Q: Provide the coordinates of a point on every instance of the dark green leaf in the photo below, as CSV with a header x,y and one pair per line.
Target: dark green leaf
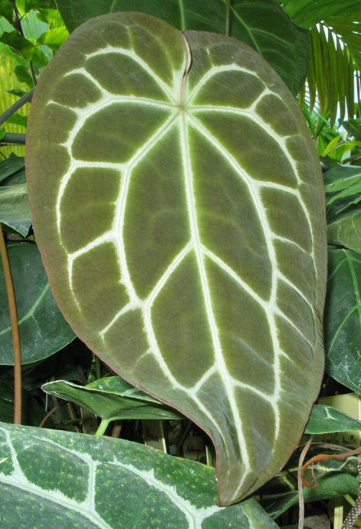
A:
x,y
343,318
6,10
348,28
38,4
23,75
325,419
10,166
16,92
308,13
343,189
17,42
17,119
353,127
49,477
112,404
43,330
345,230
264,26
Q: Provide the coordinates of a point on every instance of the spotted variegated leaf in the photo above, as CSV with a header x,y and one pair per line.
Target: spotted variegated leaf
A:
x,y
178,204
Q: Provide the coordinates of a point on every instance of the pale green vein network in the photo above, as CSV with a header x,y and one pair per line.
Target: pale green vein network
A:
x,y
184,120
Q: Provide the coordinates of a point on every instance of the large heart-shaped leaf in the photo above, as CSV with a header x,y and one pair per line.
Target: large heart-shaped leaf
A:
x,y
177,199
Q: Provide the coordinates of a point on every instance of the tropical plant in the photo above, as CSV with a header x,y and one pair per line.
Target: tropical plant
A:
x,y
173,253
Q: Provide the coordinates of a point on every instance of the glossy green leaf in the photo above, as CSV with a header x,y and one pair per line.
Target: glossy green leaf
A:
x,y
308,13
264,26
334,478
353,127
11,166
342,186
18,43
43,330
343,196
326,419
49,477
54,38
15,209
348,27
177,199
113,404
343,318
345,230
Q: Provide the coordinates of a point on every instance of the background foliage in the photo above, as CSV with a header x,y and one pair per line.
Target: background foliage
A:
x,y
31,31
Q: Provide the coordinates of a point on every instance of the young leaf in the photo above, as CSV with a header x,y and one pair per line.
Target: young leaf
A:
x,y
325,419
178,202
49,477
111,405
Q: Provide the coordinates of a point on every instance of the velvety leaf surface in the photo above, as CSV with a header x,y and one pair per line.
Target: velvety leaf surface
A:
x,y
326,419
263,25
343,318
179,207
42,327
112,405
62,480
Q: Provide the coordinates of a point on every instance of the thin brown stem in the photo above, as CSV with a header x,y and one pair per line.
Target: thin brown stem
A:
x,y
14,328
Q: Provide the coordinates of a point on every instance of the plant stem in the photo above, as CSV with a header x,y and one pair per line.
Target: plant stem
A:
x,y
102,427
26,98
13,137
228,8
301,501
14,328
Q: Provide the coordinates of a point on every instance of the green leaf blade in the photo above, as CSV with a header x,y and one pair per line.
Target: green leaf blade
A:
x,y
326,419
263,26
79,480
342,333
43,330
201,249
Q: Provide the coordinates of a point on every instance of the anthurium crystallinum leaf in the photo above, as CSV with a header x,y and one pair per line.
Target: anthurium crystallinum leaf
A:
x,y
178,205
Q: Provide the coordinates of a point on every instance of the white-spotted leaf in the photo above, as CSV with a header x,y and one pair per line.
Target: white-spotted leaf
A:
x,y
65,480
178,204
